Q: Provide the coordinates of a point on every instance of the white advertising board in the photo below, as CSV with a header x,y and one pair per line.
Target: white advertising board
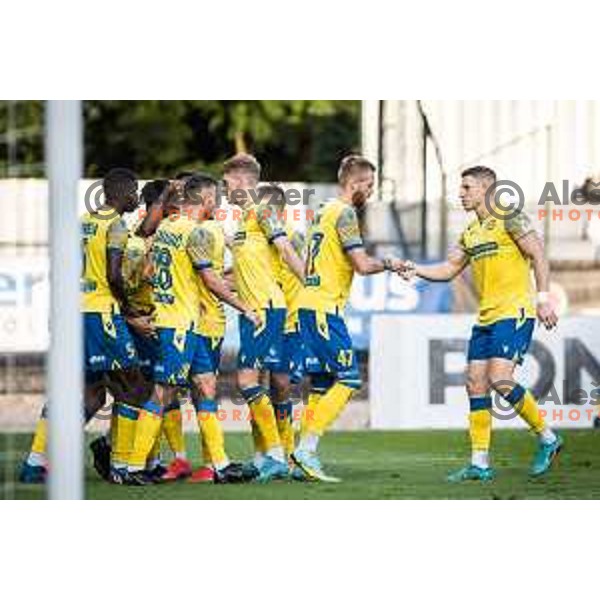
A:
x,y
24,288
417,364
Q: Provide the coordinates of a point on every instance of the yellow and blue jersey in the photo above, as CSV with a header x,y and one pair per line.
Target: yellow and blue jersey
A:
x,y
253,265
176,254
136,275
212,321
101,232
108,345
501,273
328,279
290,285
329,273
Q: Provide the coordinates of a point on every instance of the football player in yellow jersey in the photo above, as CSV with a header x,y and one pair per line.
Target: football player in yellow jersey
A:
x,y
172,424
334,253
255,281
501,248
179,259
138,289
110,356
209,332
289,368
162,202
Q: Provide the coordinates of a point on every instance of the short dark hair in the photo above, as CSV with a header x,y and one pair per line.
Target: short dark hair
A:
x,y
479,172
243,162
197,182
152,190
183,175
352,164
119,182
275,192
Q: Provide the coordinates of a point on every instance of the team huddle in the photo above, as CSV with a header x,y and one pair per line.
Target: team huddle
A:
x,y
153,298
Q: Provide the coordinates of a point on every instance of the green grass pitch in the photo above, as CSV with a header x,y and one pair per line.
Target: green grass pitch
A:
x,y
373,465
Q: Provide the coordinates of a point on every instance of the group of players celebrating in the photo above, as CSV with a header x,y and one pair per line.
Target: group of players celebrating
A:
x,y
153,300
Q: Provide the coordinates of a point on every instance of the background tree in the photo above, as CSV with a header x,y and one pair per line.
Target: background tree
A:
x,y
296,140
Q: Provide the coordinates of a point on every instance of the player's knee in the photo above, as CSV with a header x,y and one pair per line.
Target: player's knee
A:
x,y
476,384
501,379
280,387
94,399
247,379
205,387
130,387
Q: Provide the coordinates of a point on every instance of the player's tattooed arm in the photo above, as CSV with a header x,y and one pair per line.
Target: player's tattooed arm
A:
x,y
519,225
115,250
520,228
457,260
290,256
531,245
273,226
348,230
299,243
200,248
229,278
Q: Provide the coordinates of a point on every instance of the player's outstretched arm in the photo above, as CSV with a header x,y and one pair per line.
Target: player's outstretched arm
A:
x,y
455,263
363,264
350,237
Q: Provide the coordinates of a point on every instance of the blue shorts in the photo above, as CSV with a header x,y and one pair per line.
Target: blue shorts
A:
x,y
108,344
175,352
262,348
207,354
292,357
148,349
329,347
507,338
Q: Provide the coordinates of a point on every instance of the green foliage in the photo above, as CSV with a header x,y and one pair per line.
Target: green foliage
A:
x,y
296,140
21,138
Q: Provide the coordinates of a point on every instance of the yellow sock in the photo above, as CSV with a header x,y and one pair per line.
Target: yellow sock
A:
x,y
173,429
263,415
213,440
285,427
154,456
308,414
147,431
123,426
529,412
206,460
329,407
259,443
40,437
480,423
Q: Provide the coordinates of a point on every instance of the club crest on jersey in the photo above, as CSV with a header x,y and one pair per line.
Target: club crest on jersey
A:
x,y
239,238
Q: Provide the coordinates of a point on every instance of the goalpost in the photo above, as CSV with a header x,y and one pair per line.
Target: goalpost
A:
x,y
64,150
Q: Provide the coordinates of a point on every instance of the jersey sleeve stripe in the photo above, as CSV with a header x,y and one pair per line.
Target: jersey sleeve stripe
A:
x,y
352,246
276,235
